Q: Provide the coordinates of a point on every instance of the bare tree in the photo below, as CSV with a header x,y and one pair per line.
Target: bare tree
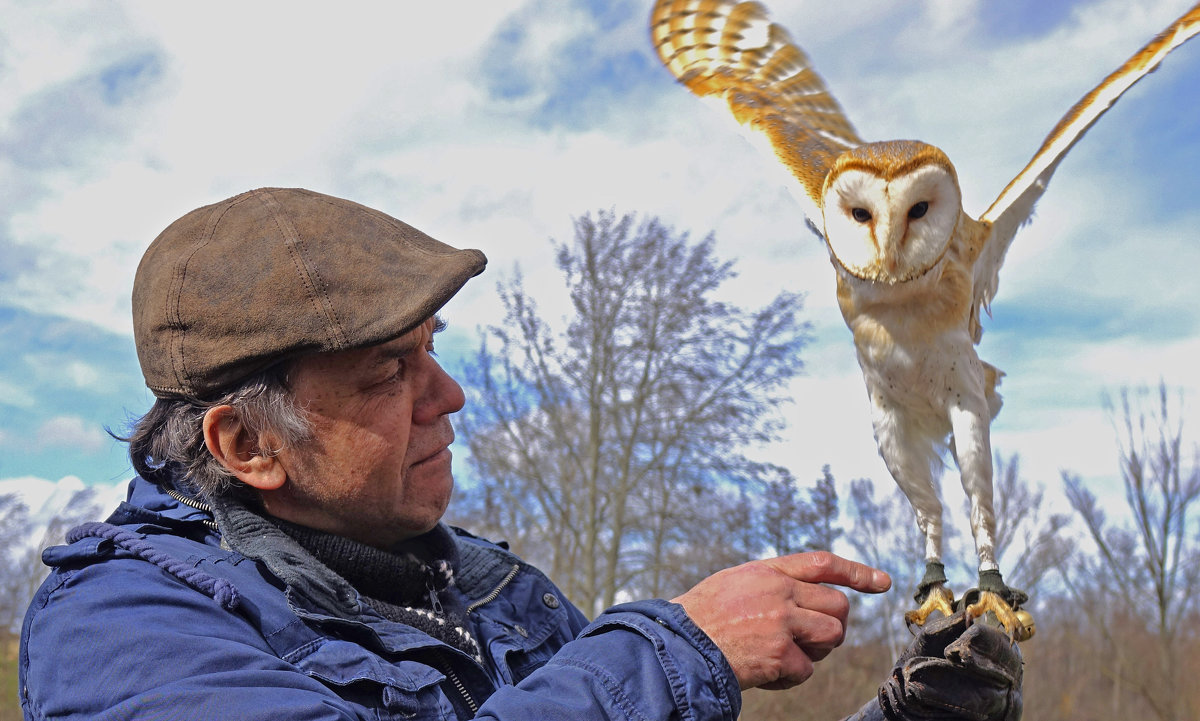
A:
x,y
785,514
823,513
885,535
707,528
591,435
15,528
23,568
1030,543
1147,571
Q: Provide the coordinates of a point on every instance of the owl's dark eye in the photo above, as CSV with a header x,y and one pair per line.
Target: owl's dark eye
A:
x,y
862,215
918,210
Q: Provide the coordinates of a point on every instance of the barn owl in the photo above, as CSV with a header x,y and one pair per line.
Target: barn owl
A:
x,y
914,271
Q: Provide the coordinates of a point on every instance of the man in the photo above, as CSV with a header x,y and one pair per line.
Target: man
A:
x,y
280,555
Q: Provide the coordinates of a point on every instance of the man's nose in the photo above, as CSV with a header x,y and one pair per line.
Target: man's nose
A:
x,y
443,396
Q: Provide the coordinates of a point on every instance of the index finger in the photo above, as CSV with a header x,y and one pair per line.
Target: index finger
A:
x,y
826,567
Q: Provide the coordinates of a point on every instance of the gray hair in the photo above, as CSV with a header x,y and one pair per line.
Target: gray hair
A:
x,y
166,446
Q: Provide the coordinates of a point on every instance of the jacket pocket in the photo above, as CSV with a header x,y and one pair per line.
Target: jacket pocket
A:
x,y
421,704
392,689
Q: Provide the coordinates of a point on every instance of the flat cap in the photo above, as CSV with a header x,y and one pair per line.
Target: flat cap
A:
x,y
232,288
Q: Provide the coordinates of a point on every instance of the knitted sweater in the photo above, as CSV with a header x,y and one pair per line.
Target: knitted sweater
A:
x,y
408,583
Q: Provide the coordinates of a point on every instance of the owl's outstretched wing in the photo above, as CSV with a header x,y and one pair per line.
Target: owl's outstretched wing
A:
x,y
1015,205
731,51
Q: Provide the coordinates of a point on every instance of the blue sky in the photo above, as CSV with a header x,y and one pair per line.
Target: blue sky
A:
x,y
492,123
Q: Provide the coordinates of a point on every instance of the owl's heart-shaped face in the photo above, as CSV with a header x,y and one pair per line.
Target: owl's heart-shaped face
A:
x,y
891,212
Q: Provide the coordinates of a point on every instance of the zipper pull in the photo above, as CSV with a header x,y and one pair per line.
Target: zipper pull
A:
x,y
434,602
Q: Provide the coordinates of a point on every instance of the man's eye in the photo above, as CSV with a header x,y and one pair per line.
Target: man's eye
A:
x,y
396,374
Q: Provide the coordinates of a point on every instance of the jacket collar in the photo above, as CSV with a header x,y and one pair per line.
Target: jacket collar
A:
x,y
312,588
147,503
310,584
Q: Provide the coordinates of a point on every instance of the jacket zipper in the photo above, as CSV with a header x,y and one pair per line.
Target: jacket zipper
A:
x,y
461,687
512,573
193,503
445,667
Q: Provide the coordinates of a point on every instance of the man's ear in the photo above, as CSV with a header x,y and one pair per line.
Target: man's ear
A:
x,y
228,439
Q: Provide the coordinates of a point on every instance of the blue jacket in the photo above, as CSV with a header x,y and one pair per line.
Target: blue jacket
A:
x,y
152,615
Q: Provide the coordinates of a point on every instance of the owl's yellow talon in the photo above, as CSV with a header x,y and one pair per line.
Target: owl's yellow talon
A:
x,y
939,599
1018,628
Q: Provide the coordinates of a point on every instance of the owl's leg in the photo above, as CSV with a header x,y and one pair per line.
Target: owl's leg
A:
x,y
972,447
970,420
911,461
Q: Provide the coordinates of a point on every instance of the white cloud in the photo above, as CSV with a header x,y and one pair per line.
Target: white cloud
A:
x,y
57,370
80,374
39,493
70,432
46,498
14,396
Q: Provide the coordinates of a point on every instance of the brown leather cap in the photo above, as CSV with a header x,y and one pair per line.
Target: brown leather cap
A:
x,y
232,288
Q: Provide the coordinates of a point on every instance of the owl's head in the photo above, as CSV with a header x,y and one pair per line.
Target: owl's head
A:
x,y
890,209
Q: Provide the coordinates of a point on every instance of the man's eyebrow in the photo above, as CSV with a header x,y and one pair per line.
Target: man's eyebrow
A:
x,y
395,349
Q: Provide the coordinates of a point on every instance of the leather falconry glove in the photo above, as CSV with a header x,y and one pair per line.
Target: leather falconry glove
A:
x,y
952,671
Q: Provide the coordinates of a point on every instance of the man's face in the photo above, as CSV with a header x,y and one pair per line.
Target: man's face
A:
x,y
377,468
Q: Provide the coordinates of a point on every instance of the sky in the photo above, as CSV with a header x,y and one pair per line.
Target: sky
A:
x,y
492,123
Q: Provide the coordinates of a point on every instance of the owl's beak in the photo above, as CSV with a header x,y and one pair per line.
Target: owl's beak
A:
x,y
889,251
891,260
